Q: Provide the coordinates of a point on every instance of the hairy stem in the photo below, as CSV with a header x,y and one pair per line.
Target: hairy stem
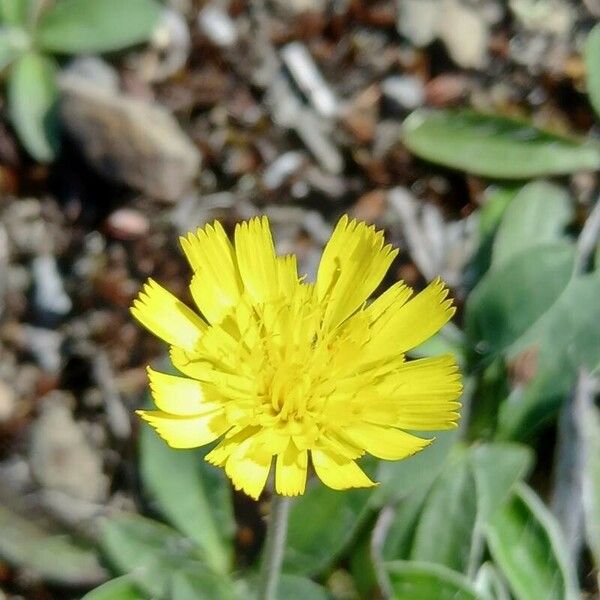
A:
x,y
274,547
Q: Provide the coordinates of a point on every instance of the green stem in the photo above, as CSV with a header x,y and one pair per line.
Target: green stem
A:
x,y
274,547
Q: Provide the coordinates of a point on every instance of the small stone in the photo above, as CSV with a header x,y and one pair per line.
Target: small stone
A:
x,y
128,140
307,76
361,115
93,69
553,17
168,49
8,401
282,168
465,34
446,89
217,26
44,344
371,206
27,231
127,224
61,457
405,90
49,298
418,20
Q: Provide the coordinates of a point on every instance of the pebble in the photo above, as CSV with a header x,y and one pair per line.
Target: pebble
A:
x,y
93,69
462,26
127,224
283,168
465,34
168,50
8,401
60,456
49,298
217,26
418,20
405,90
128,140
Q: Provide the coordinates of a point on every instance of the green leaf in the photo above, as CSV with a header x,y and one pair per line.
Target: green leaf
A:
x,y
32,98
445,531
426,581
508,300
489,583
55,558
362,568
525,543
79,26
574,319
587,419
121,588
497,199
14,12
400,535
193,495
529,408
592,67
398,479
321,524
293,587
14,41
497,468
148,551
539,214
201,585
494,146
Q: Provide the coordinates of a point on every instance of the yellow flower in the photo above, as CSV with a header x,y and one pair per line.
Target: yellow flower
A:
x,y
286,370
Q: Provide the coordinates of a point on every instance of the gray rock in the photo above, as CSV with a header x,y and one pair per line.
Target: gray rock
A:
x,y
128,140
418,20
93,69
49,293
217,26
44,344
26,229
167,51
465,33
309,79
282,168
406,90
554,17
8,401
462,26
61,457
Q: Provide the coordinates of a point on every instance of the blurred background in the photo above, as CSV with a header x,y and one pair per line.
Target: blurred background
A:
x,y
466,129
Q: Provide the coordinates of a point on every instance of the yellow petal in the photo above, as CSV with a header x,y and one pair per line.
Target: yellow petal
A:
x,y
337,472
167,317
186,432
386,442
383,308
290,472
180,395
413,322
235,437
216,285
352,266
287,274
425,392
336,441
256,258
248,470
190,364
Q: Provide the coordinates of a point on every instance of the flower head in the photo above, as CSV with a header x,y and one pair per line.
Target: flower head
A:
x,y
287,371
